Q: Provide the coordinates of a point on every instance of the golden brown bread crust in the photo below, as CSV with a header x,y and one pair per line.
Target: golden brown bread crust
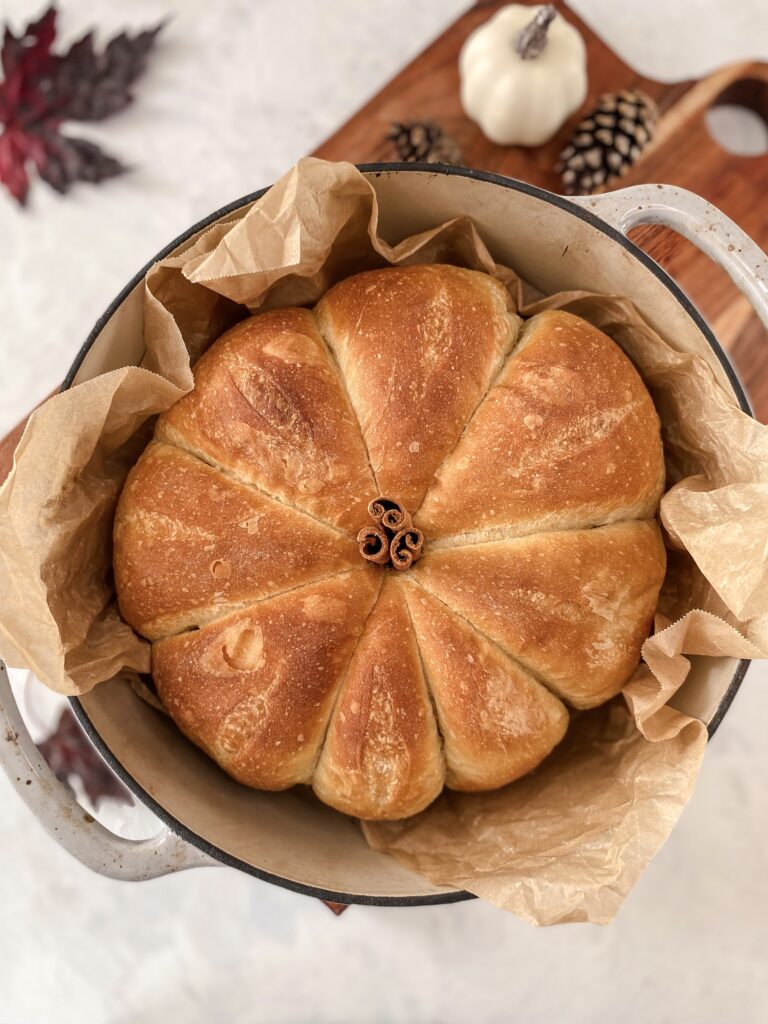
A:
x,y
232,543
418,347
269,406
496,721
568,437
573,608
382,757
241,518
255,689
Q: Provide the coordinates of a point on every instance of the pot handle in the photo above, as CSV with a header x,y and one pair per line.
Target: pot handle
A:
x,y
695,219
56,809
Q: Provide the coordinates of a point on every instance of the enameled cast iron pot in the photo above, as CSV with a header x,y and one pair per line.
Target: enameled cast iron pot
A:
x,y
554,243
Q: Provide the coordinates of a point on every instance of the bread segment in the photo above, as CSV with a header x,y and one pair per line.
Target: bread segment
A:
x,y
496,720
268,405
418,347
255,689
574,608
568,437
382,757
191,542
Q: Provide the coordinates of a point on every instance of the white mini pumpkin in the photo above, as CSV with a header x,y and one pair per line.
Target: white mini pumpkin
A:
x,y
523,99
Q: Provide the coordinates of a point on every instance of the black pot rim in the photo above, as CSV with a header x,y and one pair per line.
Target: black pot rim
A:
x,y
377,169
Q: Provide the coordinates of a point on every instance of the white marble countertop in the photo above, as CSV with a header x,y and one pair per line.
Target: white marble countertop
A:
x,y
238,91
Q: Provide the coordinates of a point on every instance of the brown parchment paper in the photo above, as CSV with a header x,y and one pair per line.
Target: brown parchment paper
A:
x,y
565,843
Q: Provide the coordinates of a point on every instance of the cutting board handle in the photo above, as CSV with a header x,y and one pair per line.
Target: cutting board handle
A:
x,y
695,219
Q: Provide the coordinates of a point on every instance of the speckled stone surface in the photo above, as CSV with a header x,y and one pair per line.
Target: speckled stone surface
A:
x,y
238,91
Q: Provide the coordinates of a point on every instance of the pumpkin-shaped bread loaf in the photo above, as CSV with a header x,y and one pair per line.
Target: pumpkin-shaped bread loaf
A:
x,y
382,544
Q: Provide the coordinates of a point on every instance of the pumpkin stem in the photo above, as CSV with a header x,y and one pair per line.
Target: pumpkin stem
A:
x,y
533,38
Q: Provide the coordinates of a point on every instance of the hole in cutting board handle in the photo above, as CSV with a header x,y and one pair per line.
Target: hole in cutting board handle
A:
x,y
738,118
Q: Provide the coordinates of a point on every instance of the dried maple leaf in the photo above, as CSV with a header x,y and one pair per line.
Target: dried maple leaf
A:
x,y
40,90
69,753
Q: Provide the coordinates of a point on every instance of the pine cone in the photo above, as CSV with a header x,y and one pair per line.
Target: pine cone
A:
x,y
424,142
608,141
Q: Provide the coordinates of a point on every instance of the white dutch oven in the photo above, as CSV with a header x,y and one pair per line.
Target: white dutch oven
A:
x,y
554,243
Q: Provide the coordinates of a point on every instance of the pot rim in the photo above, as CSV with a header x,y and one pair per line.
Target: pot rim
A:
x,y
377,169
